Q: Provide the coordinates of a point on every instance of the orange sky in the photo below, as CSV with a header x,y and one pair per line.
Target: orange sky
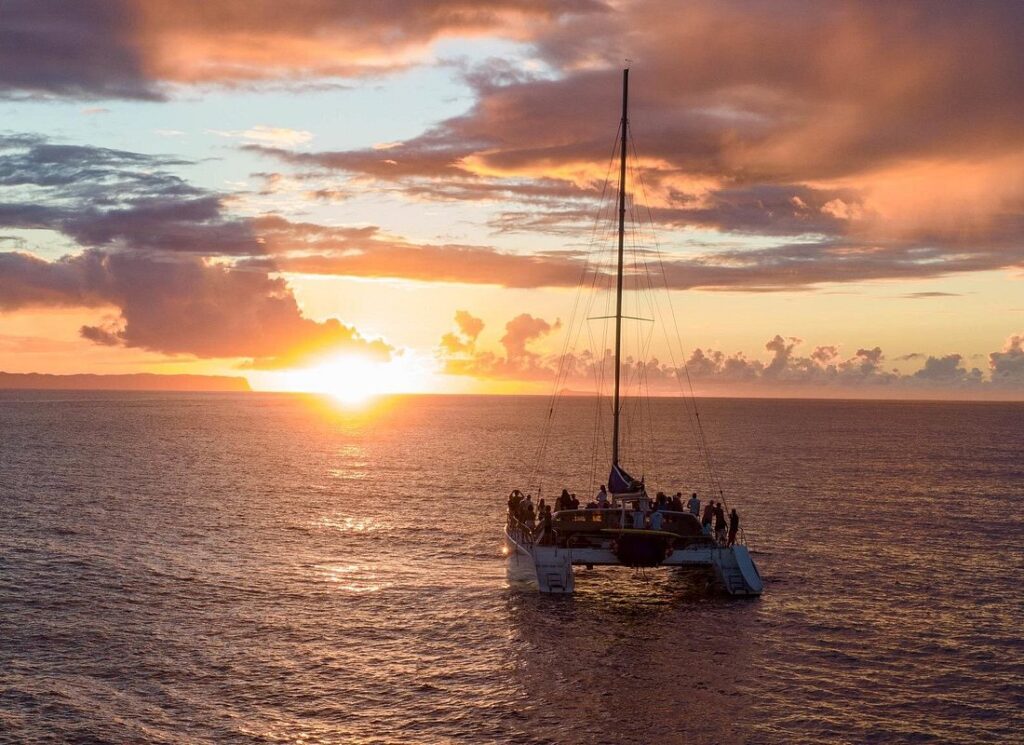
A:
x,y
344,196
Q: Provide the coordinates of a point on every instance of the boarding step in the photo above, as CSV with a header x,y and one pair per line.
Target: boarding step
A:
x,y
554,569
736,571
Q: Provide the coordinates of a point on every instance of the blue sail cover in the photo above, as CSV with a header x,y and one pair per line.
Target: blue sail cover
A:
x,y
620,482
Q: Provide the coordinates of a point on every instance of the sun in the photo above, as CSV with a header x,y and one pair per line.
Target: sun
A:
x,y
354,379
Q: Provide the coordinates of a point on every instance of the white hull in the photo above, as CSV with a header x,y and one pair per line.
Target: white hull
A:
x,y
552,565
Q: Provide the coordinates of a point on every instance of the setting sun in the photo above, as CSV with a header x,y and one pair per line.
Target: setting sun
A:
x,y
353,379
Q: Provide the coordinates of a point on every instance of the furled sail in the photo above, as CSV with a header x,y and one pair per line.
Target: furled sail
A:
x,y
620,482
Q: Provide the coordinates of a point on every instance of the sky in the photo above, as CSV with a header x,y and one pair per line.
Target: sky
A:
x,y
402,196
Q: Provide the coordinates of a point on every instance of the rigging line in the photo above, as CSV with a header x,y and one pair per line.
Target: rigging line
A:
x,y
700,427
647,399
698,435
598,373
597,419
643,404
646,294
636,372
636,378
542,449
600,369
587,262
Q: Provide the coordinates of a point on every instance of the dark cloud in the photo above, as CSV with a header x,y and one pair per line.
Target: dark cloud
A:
x,y
101,198
134,48
82,49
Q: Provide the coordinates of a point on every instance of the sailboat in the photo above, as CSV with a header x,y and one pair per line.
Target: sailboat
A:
x,y
626,526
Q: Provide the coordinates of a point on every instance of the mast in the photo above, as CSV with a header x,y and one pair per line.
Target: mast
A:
x,y
618,289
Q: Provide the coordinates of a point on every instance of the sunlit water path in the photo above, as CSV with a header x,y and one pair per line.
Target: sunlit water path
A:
x,y
265,569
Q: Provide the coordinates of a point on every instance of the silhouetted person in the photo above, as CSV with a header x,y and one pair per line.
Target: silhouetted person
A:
x,y
513,502
574,503
547,532
720,522
677,503
734,525
656,520
709,514
525,507
602,496
693,505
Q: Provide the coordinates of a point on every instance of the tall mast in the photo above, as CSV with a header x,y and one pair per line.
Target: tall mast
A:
x,y
618,289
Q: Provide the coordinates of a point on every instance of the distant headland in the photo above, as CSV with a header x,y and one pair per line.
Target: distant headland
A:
x,y
127,382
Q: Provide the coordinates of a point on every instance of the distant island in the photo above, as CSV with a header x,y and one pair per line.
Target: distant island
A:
x,y
128,382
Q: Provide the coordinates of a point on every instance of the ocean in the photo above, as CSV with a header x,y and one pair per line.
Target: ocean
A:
x,y
261,568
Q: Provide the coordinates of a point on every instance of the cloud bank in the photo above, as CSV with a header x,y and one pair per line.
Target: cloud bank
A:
x,y
822,370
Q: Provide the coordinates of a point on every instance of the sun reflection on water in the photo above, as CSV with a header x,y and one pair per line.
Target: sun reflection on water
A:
x,y
350,524
351,577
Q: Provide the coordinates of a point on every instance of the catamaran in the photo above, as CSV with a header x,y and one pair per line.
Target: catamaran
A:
x,y
625,526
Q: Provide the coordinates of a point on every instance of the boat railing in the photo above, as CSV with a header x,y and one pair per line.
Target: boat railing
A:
x,y
519,531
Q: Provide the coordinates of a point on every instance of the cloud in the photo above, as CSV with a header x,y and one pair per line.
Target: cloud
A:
x,y
947,371
180,305
461,357
135,48
522,330
273,136
82,49
463,341
928,295
1007,366
365,251
159,250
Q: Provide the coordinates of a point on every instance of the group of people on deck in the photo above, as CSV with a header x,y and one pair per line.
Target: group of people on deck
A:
x,y
715,512
522,509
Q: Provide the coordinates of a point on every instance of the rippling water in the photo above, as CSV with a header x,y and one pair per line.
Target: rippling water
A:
x,y
269,568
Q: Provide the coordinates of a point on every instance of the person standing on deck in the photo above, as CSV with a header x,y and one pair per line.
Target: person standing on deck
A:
x,y
525,507
513,502
656,520
638,517
720,523
709,514
734,526
693,505
547,532
602,497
